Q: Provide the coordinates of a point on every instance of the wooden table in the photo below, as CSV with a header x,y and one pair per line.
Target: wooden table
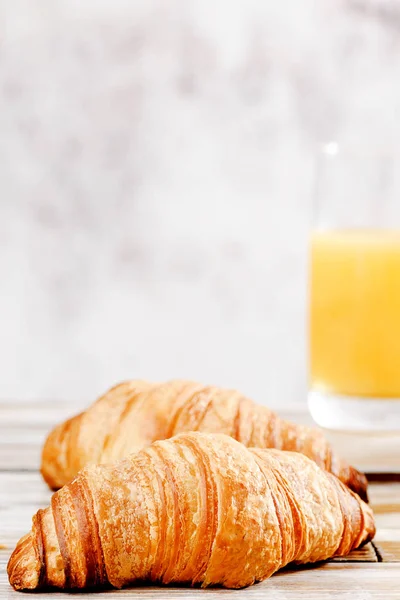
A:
x,y
373,572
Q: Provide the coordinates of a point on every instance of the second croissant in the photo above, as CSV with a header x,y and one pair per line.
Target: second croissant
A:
x,y
136,413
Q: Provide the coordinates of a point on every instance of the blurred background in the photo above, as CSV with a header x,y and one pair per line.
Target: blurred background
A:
x,y
156,183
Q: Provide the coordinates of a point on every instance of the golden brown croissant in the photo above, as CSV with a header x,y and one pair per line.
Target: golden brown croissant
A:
x,y
134,414
196,509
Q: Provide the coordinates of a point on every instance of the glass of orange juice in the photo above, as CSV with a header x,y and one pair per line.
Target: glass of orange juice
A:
x,y
354,316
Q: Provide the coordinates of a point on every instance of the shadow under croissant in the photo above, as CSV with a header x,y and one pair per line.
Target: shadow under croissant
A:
x,y
290,569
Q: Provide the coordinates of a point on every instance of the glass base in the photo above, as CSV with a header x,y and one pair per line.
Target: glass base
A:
x,y
348,413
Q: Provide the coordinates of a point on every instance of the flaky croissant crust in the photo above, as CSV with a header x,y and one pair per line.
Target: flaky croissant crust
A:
x,y
196,509
134,414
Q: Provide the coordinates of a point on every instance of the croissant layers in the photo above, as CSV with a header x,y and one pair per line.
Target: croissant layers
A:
x,y
134,414
195,509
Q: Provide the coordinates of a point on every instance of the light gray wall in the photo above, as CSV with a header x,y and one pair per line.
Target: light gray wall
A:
x,y
156,166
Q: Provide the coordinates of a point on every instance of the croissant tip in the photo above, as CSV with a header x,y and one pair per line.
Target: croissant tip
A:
x,y
358,483
23,567
369,524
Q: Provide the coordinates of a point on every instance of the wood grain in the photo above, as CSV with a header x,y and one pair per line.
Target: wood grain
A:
x,y
365,574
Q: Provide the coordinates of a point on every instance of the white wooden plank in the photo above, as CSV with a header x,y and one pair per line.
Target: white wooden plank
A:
x,y
20,455
23,430
24,427
349,581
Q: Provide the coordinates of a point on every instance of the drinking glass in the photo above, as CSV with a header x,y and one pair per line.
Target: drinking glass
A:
x,y
354,315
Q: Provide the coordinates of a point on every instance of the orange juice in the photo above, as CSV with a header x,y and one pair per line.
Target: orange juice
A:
x,y
355,313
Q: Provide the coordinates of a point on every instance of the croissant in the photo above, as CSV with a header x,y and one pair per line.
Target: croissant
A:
x,y
134,414
195,509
